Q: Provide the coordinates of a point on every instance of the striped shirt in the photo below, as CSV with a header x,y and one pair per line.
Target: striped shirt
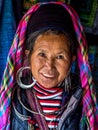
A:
x,y
50,102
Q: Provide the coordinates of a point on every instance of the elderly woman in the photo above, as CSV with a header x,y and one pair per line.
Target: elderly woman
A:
x,y
38,89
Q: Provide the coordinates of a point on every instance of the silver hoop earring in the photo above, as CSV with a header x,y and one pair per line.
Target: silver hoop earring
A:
x,y
67,83
18,78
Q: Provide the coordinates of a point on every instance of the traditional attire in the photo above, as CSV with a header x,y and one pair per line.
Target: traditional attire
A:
x,y
85,119
47,109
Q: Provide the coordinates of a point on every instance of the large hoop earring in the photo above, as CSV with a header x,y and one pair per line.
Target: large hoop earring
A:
x,y
18,78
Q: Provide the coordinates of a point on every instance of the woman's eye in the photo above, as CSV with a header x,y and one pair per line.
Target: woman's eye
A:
x,y
42,54
60,57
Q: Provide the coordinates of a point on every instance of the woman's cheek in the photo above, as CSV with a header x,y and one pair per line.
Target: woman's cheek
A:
x,y
36,63
63,68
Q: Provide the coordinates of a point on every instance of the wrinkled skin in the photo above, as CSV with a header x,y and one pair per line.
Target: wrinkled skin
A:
x,y
50,59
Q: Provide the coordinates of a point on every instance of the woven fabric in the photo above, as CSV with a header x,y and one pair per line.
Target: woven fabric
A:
x,y
1,3
15,61
7,31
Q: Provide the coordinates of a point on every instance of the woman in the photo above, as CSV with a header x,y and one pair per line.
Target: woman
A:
x,y
38,90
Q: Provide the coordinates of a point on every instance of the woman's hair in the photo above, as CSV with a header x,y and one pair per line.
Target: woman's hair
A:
x,y
32,38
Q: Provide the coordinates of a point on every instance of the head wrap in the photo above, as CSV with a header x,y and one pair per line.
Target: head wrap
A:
x,y
15,61
50,17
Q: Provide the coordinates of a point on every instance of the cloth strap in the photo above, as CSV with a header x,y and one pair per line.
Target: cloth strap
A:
x,y
35,106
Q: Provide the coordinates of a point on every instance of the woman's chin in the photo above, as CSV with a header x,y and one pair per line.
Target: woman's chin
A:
x,y
47,84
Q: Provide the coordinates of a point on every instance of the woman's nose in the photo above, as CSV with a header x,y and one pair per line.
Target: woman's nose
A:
x,y
50,63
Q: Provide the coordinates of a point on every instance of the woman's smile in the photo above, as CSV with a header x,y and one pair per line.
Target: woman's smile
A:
x,y
48,75
47,78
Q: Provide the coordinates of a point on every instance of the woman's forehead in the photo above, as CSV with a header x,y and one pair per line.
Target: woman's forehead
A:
x,y
52,42
49,39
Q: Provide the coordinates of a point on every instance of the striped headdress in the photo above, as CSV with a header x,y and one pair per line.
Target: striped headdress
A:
x,y
15,61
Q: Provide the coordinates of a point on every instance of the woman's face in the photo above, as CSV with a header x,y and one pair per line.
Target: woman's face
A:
x,y
50,59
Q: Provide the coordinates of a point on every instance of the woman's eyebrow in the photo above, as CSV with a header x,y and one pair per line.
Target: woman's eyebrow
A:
x,y
64,51
43,50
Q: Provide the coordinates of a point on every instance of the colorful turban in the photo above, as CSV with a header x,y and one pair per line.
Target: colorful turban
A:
x,y
15,61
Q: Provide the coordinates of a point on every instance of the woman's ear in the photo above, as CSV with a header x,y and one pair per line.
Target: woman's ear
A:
x,y
27,52
26,58
73,58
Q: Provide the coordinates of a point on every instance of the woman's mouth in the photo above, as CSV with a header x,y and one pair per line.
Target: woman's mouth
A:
x,y
48,75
